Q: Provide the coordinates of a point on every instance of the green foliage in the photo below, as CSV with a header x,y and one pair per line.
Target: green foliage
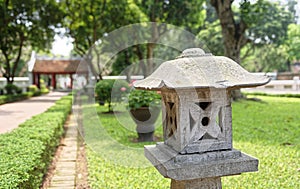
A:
x,y
266,58
268,130
12,89
189,14
267,22
257,31
270,57
103,173
33,88
113,125
123,61
87,21
211,36
16,96
110,91
273,95
12,98
27,151
22,24
293,42
43,87
143,98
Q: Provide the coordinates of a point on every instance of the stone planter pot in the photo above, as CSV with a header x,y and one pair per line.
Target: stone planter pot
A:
x,y
145,119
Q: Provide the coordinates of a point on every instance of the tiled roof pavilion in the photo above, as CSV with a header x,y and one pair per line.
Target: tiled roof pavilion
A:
x,y
57,66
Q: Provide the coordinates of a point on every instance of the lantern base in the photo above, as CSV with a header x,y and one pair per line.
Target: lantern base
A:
x,y
206,183
181,167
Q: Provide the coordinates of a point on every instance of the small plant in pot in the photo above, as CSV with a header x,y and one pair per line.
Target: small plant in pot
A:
x,y
144,108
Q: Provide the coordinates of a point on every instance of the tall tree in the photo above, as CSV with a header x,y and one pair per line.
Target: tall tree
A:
x,y
87,21
260,23
25,23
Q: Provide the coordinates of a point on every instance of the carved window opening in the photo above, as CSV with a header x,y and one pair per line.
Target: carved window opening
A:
x,y
171,118
206,136
203,105
205,121
219,120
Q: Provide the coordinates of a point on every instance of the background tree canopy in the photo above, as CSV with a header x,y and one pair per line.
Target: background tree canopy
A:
x,y
25,24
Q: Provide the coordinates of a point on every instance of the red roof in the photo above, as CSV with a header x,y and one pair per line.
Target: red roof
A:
x,y
57,66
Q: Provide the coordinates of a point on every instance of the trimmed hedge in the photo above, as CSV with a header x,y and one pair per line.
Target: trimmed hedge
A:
x,y
26,152
17,97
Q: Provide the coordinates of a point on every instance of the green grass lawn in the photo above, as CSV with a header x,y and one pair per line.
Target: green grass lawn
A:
x,y
268,130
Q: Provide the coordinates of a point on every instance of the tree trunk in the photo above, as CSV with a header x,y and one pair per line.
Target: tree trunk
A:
x,y
150,48
233,33
139,54
127,63
150,55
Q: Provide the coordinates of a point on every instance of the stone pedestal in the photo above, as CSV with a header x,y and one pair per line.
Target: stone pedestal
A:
x,y
192,170
205,183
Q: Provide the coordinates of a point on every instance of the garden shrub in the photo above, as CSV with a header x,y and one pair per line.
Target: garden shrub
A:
x,y
15,97
43,88
110,90
33,90
27,151
12,89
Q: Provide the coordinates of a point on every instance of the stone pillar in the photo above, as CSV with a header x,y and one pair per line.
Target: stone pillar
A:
x,y
34,78
205,183
71,78
38,81
53,81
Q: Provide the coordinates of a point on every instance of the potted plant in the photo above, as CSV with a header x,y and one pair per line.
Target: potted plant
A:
x,y
144,109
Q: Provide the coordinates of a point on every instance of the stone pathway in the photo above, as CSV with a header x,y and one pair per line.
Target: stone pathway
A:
x,y
13,114
65,170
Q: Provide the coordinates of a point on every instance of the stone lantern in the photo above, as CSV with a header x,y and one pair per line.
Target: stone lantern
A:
x,y
197,119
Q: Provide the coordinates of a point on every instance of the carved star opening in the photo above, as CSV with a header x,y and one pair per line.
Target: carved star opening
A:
x,y
203,120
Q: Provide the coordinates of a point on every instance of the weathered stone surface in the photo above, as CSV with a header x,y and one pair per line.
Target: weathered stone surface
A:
x,y
206,183
197,119
209,164
200,71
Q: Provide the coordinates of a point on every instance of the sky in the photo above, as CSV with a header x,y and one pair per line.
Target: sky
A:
x,y
63,45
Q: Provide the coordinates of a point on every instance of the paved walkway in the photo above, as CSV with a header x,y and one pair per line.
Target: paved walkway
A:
x,y
65,170
13,114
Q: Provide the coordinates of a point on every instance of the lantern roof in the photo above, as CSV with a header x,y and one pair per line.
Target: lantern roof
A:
x,y
196,69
